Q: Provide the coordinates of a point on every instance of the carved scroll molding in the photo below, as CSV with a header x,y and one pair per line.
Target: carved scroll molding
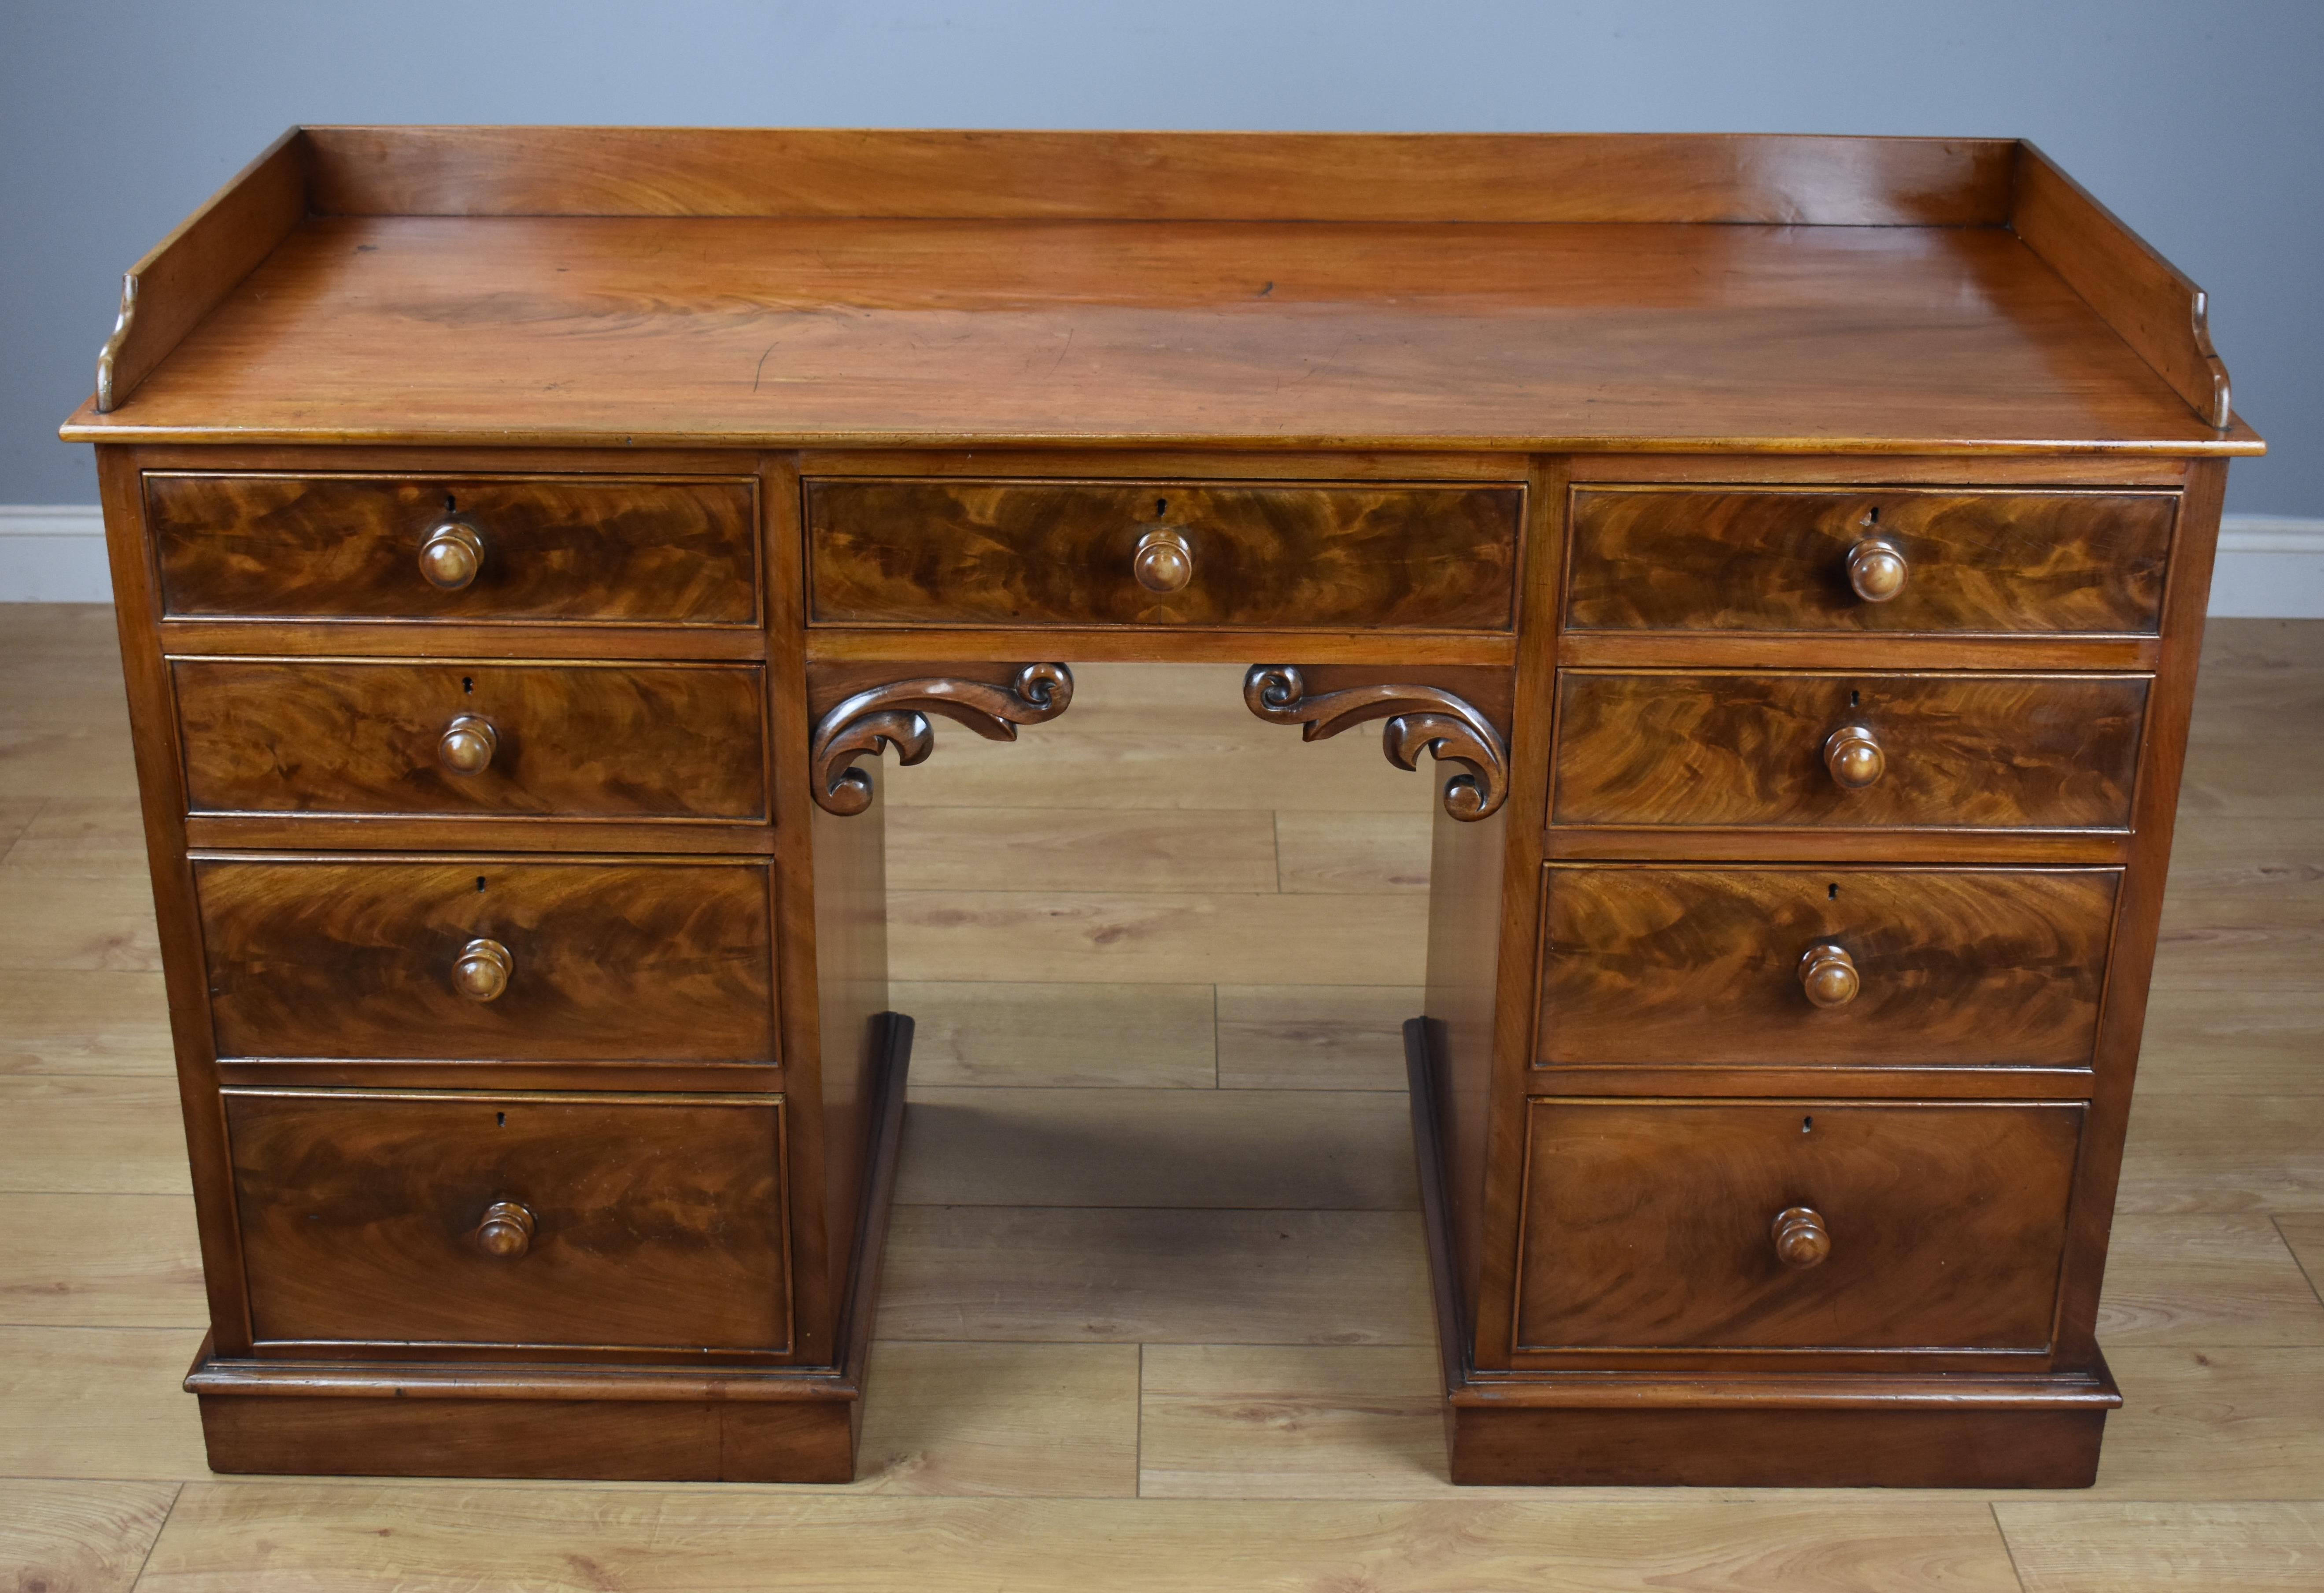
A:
x,y
109,355
896,715
1420,718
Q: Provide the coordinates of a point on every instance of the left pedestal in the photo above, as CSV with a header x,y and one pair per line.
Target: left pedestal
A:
x,y
611,1423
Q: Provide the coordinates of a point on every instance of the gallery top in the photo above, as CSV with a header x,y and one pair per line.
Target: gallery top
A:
x,y
611,287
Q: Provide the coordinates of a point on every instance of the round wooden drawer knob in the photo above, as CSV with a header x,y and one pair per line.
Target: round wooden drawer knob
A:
x,y
1828,974
483,971
506,1230
1164,562
1802,1240
1876,570
1853,754
452,555
467,744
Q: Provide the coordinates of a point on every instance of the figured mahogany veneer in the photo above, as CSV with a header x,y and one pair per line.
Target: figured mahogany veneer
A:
x,y
528,544
594,741
1650,1225
1956,750
648,1222
607,961
1714,559
1948,967
347,547
1030,553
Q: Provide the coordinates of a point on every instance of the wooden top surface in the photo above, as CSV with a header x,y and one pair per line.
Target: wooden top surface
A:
x,y
412,298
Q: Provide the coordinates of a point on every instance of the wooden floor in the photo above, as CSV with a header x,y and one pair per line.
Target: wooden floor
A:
x,y
1155,1313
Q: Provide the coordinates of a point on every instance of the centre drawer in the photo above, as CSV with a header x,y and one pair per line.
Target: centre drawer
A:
x,y
560,1222
1708,749
1801,1225
1647,964
961,552
489,958
570,740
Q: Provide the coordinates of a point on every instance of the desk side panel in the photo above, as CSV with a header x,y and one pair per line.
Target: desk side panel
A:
x,y
1464,931
1483,912
161,788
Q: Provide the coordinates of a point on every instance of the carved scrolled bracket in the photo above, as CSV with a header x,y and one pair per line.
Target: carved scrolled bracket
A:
x,y
1420,718
896,715
109,355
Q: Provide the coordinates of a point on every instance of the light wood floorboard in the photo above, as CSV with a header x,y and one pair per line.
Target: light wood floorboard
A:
x,y
99,1401
16,814
969,1032
77,1537
1168,937
2232,1153
2215,1423
2096,1546
2206,1278
1275,1421
1353,853
279,1536
2216,1042
2253,749
91,1133
1313,1036
2304,1232
1079,850
1311,1149
1112,1275
100,1260
1056,1421
2262,929
52,924
77,758
102,838
84,1021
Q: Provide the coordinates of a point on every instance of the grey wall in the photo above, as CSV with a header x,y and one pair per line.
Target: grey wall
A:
x,y
2203,125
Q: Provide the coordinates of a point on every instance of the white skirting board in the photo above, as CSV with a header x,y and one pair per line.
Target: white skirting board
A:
x,y
2270,565
53,555
2271,568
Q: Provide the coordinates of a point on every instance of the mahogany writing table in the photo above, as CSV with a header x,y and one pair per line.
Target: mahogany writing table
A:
x,y
1788,557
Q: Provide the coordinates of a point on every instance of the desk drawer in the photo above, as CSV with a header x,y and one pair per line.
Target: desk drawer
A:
x,y
1953,751
577,548
1107,553
560,1222
1809,560
651,962
1661,1225
1853,967
594,741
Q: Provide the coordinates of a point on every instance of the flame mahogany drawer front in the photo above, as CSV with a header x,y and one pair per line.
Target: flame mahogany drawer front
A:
x,y
1845,967
489,958
1839,750
1888,561
475,1219
1792,1225
606,549
597,740
1163,553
